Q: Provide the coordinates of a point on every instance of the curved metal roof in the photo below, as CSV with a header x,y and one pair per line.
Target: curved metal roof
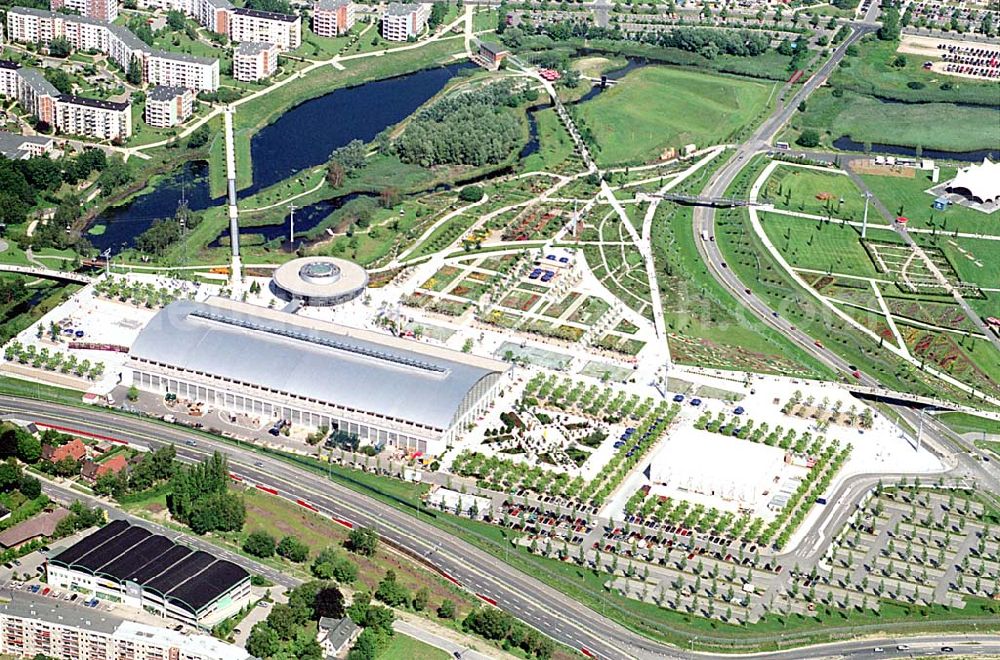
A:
x,y
358,369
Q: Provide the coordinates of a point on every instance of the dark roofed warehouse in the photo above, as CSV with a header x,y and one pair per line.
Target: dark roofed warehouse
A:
x,y
129,564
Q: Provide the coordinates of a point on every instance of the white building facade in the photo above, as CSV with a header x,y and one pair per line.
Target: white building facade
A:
x,y
402,21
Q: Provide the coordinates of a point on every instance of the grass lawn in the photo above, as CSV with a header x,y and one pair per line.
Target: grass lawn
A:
x,y
819,245
555,146
908,197
799,189
976,261
872,72
930,125
657,107
407,648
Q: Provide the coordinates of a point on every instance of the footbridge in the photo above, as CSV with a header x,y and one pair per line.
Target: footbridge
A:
x,y
926,402
47,273
700,200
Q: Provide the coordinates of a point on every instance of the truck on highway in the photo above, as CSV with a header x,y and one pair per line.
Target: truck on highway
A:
x,y
704,235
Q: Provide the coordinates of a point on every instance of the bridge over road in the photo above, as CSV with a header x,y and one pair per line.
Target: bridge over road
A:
x,y
47,273
700,200
913,400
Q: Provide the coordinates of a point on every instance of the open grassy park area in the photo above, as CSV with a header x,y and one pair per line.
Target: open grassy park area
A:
x,y
819,244
829,194
930,125
908,196
657,107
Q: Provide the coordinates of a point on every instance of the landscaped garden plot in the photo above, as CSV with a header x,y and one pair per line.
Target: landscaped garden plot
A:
x,y
939,314
908,197
520,300
468,289
498,264
818,244
829,194
590,311
871,319
626,327
845,290
440,280
972,361
557,309
656,107
427,330
619,344
911,273
621,271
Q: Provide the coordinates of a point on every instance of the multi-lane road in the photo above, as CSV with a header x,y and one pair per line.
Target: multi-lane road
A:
x,y
524,596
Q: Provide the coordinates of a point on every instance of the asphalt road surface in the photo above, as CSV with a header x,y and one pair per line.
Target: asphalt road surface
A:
x,y
543,607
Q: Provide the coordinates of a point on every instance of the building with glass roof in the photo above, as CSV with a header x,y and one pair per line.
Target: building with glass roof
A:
x,y
273,365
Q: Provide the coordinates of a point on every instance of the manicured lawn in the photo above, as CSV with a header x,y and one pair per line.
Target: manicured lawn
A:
x,y
555,146
818,193
657,107
976,261
908,197
407,648
818,244
930,125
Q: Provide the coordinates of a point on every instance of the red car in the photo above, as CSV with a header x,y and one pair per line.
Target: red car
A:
x,y
856,374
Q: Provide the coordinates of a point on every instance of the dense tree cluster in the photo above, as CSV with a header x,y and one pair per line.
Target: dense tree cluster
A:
x,y
280,6
200,497
155,469
706,42
285,633
471,128
80,517
23,182
332,564
363,541
496,624
377,623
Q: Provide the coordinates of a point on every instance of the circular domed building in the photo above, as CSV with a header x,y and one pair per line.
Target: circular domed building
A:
x,y
319,281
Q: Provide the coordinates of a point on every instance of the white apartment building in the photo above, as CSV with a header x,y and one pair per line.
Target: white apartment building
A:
x,y
9,78
331,18
284,30
99,10
169,106
33,625
402,21
104,120
254,60
180,70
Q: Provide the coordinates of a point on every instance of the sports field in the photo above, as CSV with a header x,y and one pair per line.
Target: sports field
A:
x,y
657,107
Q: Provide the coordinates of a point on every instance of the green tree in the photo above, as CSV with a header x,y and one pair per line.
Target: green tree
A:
x,y
363,541
808,138
391,592
293,549
329,603
446,610
259,544
134,74
30,487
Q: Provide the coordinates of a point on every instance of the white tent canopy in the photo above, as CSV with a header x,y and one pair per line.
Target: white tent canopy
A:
x,y
980,183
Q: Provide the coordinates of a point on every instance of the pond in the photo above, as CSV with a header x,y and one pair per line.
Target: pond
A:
x,y
301,138
847,144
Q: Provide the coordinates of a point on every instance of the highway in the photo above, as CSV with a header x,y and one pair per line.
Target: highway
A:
x,y
526,597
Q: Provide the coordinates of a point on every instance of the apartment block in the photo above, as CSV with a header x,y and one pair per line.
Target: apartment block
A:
x,y
169,106
32,625
99,10
104,120
402,21
180,70
284,30
254,60
331,18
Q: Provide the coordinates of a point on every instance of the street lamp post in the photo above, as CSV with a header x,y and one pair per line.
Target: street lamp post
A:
x,y
864,222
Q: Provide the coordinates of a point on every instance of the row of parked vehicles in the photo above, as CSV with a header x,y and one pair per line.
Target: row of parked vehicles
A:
x,y
545,523
69,596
